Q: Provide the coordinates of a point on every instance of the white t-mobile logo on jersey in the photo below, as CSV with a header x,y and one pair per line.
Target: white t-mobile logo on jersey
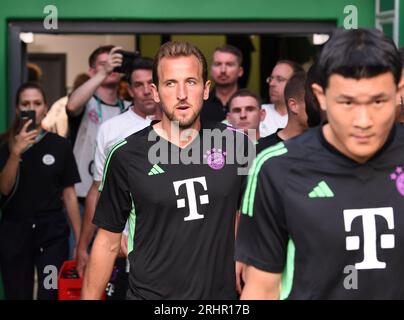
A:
x,y
191,196
370,260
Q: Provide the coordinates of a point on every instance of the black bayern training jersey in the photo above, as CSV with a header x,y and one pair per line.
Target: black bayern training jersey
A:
x,y
181,216
333,227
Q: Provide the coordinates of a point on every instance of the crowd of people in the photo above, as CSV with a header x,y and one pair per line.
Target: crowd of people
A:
x,y
197,189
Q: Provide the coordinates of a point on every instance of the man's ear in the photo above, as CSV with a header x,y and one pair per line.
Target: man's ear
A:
x,y
156,96
293,106
400,91
91,72
263,114
320,95
129,89
228,117
240,72
206,90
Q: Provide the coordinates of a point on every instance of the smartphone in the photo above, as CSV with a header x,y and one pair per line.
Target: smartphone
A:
x,y
28,115
127,62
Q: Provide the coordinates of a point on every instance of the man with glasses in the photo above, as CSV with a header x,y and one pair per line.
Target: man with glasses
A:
x,y
276,112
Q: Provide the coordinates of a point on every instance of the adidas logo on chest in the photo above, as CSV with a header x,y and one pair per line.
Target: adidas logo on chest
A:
x,y
156,169
322,190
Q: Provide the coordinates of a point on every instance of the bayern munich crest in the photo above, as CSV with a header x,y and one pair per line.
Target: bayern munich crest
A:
x,y
215,158
398,177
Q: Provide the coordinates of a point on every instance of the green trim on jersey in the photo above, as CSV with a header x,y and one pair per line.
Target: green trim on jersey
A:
x,y
132,226
115,147
248,201
288,272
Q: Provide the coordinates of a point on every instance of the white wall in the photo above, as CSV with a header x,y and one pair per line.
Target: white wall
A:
x,y
77,49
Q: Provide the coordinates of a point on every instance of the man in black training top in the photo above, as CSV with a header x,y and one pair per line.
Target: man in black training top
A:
x,y
322,213
181,213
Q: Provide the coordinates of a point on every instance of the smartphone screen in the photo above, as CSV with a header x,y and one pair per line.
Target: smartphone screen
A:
x,y
28,115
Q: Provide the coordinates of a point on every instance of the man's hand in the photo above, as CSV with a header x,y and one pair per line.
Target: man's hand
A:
x,y
82,260
114,60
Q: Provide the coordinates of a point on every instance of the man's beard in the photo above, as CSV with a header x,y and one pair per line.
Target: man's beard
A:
x,y
182,123
225,85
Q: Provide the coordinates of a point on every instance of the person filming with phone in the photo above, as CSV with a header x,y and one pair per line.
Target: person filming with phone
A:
x,y
37,176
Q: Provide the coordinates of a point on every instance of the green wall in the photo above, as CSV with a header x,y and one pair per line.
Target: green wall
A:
x,y
173,10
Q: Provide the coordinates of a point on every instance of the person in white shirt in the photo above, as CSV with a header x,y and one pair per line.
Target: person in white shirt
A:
x,y
276,112
90,105
139,116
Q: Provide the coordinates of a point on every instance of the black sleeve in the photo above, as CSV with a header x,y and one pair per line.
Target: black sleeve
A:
x,y
74,122
262,236
115,202
4,154
70,173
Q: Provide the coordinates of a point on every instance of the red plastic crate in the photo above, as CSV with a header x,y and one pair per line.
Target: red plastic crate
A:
x,y
70,289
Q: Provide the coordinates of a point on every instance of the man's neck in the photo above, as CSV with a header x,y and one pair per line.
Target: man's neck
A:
x,y
223,93
281,108
108,95
251,135
138,112
292,129
176,135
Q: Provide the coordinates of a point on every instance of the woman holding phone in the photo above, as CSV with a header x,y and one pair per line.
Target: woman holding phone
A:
x,y
37,176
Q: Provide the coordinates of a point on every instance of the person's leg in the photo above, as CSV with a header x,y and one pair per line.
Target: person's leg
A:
x,y
17,260
53,250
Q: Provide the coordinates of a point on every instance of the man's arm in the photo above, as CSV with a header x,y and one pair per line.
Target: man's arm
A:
x,y
88,228
260,285
98,272
79,97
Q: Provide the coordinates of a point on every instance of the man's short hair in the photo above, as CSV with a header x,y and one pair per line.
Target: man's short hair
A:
x,y
295,87
294,65
357,54
245,93
231,49
174,49
141,63
94,55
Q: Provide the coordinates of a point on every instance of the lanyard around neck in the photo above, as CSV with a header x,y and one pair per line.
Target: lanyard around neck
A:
x,y
99,109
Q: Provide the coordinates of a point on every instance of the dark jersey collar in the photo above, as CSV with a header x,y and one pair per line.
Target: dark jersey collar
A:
x,y
336,152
